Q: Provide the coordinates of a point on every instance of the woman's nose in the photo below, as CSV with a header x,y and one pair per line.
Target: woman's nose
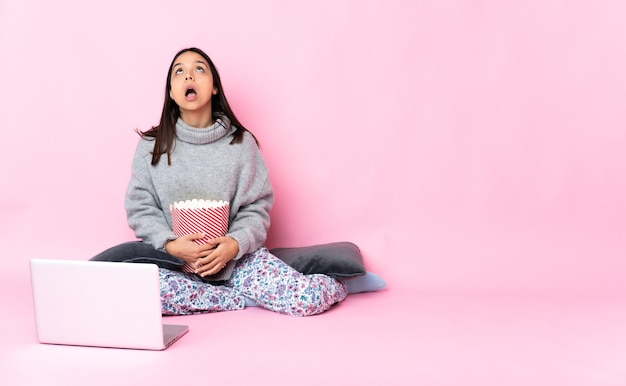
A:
x,y
188,77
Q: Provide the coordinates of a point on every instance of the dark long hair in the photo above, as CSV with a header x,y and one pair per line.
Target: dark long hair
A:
x,y
165,132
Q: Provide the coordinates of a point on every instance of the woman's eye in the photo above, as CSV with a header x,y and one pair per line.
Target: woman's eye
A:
x,y
200,69
178,71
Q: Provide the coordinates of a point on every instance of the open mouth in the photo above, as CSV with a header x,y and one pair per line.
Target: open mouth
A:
x,y
190,91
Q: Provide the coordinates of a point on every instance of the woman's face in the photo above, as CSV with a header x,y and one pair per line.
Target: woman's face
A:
x,y
191,84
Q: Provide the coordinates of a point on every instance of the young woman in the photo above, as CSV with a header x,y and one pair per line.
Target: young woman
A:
x,y
200,150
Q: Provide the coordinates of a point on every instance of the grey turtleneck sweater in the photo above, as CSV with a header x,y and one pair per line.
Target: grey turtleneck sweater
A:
x,y
204,165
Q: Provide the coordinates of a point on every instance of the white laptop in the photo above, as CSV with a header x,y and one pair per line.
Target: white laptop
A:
x,y
103,304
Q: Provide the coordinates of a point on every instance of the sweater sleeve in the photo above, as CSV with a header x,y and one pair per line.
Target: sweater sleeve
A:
x,y
250,221
144,212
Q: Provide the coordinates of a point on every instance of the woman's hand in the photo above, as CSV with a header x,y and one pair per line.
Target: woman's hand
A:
x,y
185,248
222,250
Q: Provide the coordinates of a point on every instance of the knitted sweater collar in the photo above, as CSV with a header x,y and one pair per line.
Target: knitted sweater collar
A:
x,y
200,136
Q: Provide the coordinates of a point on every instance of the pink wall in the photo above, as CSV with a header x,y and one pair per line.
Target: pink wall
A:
x,y
464,145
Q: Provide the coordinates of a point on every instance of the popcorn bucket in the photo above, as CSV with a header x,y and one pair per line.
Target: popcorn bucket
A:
x,y
200,216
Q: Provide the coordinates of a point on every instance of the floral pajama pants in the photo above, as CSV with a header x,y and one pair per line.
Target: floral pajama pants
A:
x,y
260,276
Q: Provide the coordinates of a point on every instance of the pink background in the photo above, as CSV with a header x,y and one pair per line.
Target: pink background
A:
x,y
473,149
461,144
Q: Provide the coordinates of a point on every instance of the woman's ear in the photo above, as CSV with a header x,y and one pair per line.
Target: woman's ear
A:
x,y
215,91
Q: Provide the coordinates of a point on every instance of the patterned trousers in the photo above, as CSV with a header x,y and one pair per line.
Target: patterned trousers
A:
x,y
260,276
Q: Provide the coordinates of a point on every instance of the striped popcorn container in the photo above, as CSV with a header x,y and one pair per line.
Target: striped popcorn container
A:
x,y
200,216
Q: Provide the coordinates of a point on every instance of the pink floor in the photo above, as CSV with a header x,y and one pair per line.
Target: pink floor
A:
x,y
393,337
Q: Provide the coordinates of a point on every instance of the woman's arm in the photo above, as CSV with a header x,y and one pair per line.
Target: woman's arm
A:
x,y
250,224
253,200
144,213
